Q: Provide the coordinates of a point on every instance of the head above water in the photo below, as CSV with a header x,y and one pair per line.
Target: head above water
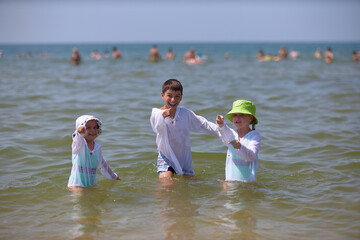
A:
x,y
172,84
244,107
82,120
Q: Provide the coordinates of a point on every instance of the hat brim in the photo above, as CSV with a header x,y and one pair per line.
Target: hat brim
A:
x,y
229,115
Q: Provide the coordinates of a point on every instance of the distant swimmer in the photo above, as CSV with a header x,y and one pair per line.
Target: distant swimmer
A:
x,y
282,53
44,54
189,55
191,58
318,53
116,54
329,56
356,56
75,57
268,58
170,55
260,56
201,56
294,54
226,56
96,55
154,54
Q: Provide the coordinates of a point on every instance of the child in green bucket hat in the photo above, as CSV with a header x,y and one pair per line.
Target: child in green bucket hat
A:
x,y
243,143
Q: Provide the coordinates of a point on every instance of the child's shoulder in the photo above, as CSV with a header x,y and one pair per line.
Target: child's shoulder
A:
x,y
184,110
254,134
97,146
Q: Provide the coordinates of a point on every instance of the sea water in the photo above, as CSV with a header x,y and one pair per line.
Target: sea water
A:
x,y
308,111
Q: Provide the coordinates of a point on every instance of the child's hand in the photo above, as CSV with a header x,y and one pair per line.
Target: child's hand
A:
x,y
169,112
220,120
81,129
166,113
236,144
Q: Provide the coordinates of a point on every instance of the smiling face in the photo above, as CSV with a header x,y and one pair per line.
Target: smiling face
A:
x,y
92,131
241,120
171,98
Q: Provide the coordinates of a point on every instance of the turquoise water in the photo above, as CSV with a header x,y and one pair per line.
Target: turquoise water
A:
x,y
308,177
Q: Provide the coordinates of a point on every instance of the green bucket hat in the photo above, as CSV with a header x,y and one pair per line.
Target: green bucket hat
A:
x,y
242,106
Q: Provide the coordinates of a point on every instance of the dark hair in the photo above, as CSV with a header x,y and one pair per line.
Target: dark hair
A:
x,y
172,84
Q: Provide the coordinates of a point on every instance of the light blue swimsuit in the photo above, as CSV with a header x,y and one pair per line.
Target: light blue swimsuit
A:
x,y
85,164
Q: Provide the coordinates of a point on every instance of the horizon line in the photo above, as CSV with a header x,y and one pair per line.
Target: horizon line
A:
x,y
181,42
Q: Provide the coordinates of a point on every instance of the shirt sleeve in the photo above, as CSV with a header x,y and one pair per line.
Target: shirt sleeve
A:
x,y
200,124
226,134
78,142
249,151
105,169
157,120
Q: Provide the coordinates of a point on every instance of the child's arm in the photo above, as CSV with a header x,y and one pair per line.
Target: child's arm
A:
x,y
106,170
201,124
158,119
225,133
78,139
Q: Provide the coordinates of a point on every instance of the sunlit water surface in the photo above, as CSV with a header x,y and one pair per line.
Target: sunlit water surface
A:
x,y
308,178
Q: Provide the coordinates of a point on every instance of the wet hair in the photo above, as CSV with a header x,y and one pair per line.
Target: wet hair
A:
x,y
172,84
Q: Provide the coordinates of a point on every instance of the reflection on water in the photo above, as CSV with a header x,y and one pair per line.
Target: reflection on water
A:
x,y
229,214
86,214
178,211
239,216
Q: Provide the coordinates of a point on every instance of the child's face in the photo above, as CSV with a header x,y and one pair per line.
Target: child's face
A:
x,y
92,130
171,98
241,120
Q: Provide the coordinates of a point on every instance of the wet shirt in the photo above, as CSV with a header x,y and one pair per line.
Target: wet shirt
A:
x,y
241,164
173,136
85,164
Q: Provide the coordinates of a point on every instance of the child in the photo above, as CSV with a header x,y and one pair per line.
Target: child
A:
x,y
86,154
243,144
172,125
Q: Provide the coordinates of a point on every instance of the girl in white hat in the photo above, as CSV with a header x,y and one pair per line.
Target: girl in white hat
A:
x,y
86,154
243,143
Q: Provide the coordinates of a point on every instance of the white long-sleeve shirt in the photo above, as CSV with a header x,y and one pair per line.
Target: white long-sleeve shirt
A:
x,y
241,164
173,136
86,162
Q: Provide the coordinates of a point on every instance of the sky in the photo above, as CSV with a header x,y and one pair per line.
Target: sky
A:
x,y
156,21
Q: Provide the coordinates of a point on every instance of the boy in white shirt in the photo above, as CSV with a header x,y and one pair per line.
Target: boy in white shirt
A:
x,y
172,125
